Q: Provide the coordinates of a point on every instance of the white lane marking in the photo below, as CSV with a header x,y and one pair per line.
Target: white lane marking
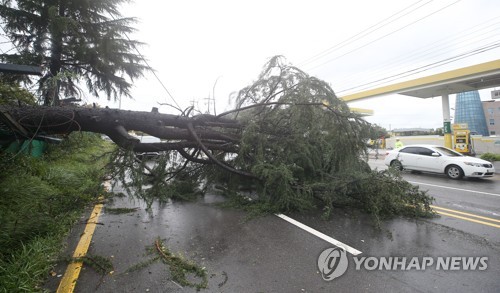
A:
x,y
454,188
320,235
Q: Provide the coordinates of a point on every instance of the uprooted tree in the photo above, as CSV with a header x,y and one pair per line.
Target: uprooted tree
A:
x,y
289,144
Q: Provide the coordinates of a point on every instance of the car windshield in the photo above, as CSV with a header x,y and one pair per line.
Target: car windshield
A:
x,y
448,152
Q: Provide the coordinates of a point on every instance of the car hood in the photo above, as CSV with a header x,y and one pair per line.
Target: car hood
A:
x,y
468,159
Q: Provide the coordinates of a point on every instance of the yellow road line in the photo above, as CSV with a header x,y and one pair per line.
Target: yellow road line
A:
x,y
468,219
68,281
466,214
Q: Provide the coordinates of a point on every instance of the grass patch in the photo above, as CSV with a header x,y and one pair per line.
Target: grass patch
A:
x,y
41,199
28,265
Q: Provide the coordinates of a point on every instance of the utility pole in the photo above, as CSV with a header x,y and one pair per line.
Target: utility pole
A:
x,y
192,102
208,104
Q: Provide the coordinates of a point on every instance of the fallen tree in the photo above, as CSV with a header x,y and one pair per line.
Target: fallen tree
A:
x,y
289,140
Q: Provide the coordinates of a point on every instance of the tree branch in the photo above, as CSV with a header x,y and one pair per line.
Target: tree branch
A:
x,y
214,159
192,158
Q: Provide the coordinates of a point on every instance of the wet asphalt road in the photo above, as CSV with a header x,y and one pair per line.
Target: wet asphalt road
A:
x,y
268,254
480,197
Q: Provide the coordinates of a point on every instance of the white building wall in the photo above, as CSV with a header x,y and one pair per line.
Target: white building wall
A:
x,y
492,115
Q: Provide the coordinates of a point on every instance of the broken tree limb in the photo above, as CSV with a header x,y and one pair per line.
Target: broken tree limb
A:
x,y
214,159
215,133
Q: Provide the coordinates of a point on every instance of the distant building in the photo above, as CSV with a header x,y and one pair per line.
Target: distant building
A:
x,y
492,114
412,131
469,109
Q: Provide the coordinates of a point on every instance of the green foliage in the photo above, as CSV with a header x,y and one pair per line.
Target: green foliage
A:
x,y
490,157
180,268
29,264
12,94
102,265
183,271
306,149
118,211
438,131
254,207
381,193
302,146
41,199
162,178
377,132
79,42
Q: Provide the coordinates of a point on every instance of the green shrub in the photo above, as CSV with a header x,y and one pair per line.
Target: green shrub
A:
x,y
490,157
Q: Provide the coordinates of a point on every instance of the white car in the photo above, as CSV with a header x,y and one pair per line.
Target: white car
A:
x,y
148,155
438,159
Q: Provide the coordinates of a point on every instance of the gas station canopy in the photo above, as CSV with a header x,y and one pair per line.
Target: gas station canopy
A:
x,y
476,77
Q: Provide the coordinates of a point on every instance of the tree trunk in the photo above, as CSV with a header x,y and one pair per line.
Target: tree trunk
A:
x,y
210,132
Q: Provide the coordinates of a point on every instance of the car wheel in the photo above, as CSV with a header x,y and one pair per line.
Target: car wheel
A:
x,y
454,172
397,165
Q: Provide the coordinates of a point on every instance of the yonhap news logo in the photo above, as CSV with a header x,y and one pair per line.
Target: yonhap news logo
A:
x,y
333,263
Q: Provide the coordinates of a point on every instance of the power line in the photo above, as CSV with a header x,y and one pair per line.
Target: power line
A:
x,y
151,69
361,34
386,35
156,76
414,71
440,49
427,67
14,46
431,48
9,41
435,49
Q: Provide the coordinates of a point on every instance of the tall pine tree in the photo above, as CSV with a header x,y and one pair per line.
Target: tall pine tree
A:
x,y
76,42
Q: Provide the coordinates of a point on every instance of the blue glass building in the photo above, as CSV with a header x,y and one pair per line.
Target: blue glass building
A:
x,y
468,109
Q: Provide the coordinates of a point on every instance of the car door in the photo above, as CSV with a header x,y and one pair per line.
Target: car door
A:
x,y
408,157
427,162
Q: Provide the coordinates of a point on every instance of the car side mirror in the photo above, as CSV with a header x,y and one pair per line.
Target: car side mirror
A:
x,y
435,155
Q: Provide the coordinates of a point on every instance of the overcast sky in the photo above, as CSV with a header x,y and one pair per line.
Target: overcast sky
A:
x,y
194,45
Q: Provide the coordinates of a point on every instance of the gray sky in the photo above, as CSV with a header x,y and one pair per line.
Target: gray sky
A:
x,y
196,44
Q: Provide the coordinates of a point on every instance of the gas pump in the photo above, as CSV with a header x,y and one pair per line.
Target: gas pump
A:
x,y
462,140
